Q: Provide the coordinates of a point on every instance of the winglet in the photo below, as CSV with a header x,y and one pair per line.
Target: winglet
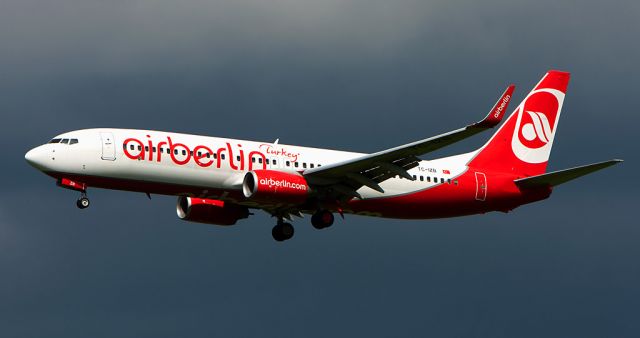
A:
x,y
497,112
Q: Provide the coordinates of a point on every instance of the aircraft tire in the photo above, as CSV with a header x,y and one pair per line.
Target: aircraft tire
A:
x,y
322,219
83,203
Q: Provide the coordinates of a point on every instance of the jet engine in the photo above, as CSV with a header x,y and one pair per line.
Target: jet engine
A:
x,y
210,211
275,186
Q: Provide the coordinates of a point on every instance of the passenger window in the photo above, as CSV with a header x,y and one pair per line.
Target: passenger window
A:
x,y
139,148
428,178
253,160
184,152
215,155
441,180
288,164
295,164
449,181
274,162
153,149
146,148
190,152
414,177
421,178
259,159
169,151
65,141
55,140
319,165
208,155
267,161
311,165
175,151
304,165
199,154
222,156
238,158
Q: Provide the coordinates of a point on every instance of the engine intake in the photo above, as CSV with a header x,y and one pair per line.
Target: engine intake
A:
x,y
208,211
275,186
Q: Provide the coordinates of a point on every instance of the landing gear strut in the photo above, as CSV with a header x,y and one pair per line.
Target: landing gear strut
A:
x,y
322,219
83,201
282,231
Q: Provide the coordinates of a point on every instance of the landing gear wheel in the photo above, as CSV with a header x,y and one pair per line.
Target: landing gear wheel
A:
x,y
83,202
275,232
282,232
287,230
322,219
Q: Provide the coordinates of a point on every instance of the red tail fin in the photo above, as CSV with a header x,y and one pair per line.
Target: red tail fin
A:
x,y
523,144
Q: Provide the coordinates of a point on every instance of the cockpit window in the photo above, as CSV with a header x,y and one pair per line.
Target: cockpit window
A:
x,y
65,140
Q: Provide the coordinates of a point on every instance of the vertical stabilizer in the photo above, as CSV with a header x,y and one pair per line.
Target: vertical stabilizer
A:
x,y
523,144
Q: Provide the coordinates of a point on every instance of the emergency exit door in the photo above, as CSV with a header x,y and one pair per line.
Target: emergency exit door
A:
x,y
481,186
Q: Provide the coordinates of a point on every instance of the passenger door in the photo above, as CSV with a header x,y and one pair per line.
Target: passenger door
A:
x,y
108,146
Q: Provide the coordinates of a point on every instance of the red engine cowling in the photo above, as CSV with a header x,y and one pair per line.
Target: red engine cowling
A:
x,y
209,211
275,186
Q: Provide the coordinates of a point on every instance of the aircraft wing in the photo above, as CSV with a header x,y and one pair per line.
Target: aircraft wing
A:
x,y
369,170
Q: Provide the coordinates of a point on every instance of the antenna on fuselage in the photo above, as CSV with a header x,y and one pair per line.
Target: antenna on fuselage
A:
x,y
276,141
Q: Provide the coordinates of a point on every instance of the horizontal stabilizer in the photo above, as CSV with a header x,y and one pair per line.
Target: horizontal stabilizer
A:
x,y
561,176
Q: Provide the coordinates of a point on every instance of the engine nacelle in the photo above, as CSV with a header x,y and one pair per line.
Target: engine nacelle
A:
x,y
275,186
210,211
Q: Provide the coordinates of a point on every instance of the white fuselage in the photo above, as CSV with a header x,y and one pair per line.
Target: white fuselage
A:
x,y
172,159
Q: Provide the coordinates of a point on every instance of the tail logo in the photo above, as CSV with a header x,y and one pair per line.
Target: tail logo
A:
x,y
537,118
538,131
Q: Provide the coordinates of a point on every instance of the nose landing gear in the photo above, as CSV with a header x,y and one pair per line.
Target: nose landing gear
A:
x,y
83,201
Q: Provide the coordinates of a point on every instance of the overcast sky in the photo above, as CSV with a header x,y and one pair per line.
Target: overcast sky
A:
x,y
347,74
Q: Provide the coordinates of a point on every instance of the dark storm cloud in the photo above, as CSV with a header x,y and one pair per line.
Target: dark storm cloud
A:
x,y
95,63
355,75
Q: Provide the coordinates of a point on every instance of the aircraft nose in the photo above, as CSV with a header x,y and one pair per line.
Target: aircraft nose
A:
x,y
36,157
30,156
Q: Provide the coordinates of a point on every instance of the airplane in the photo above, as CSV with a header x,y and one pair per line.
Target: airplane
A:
x,y
220,181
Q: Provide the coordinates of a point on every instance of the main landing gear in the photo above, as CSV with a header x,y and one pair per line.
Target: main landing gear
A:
x,y
283,231
322,219
83,201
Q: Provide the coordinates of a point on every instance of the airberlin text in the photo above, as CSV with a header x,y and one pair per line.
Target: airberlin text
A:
x,y
271,183
500,108
201,155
